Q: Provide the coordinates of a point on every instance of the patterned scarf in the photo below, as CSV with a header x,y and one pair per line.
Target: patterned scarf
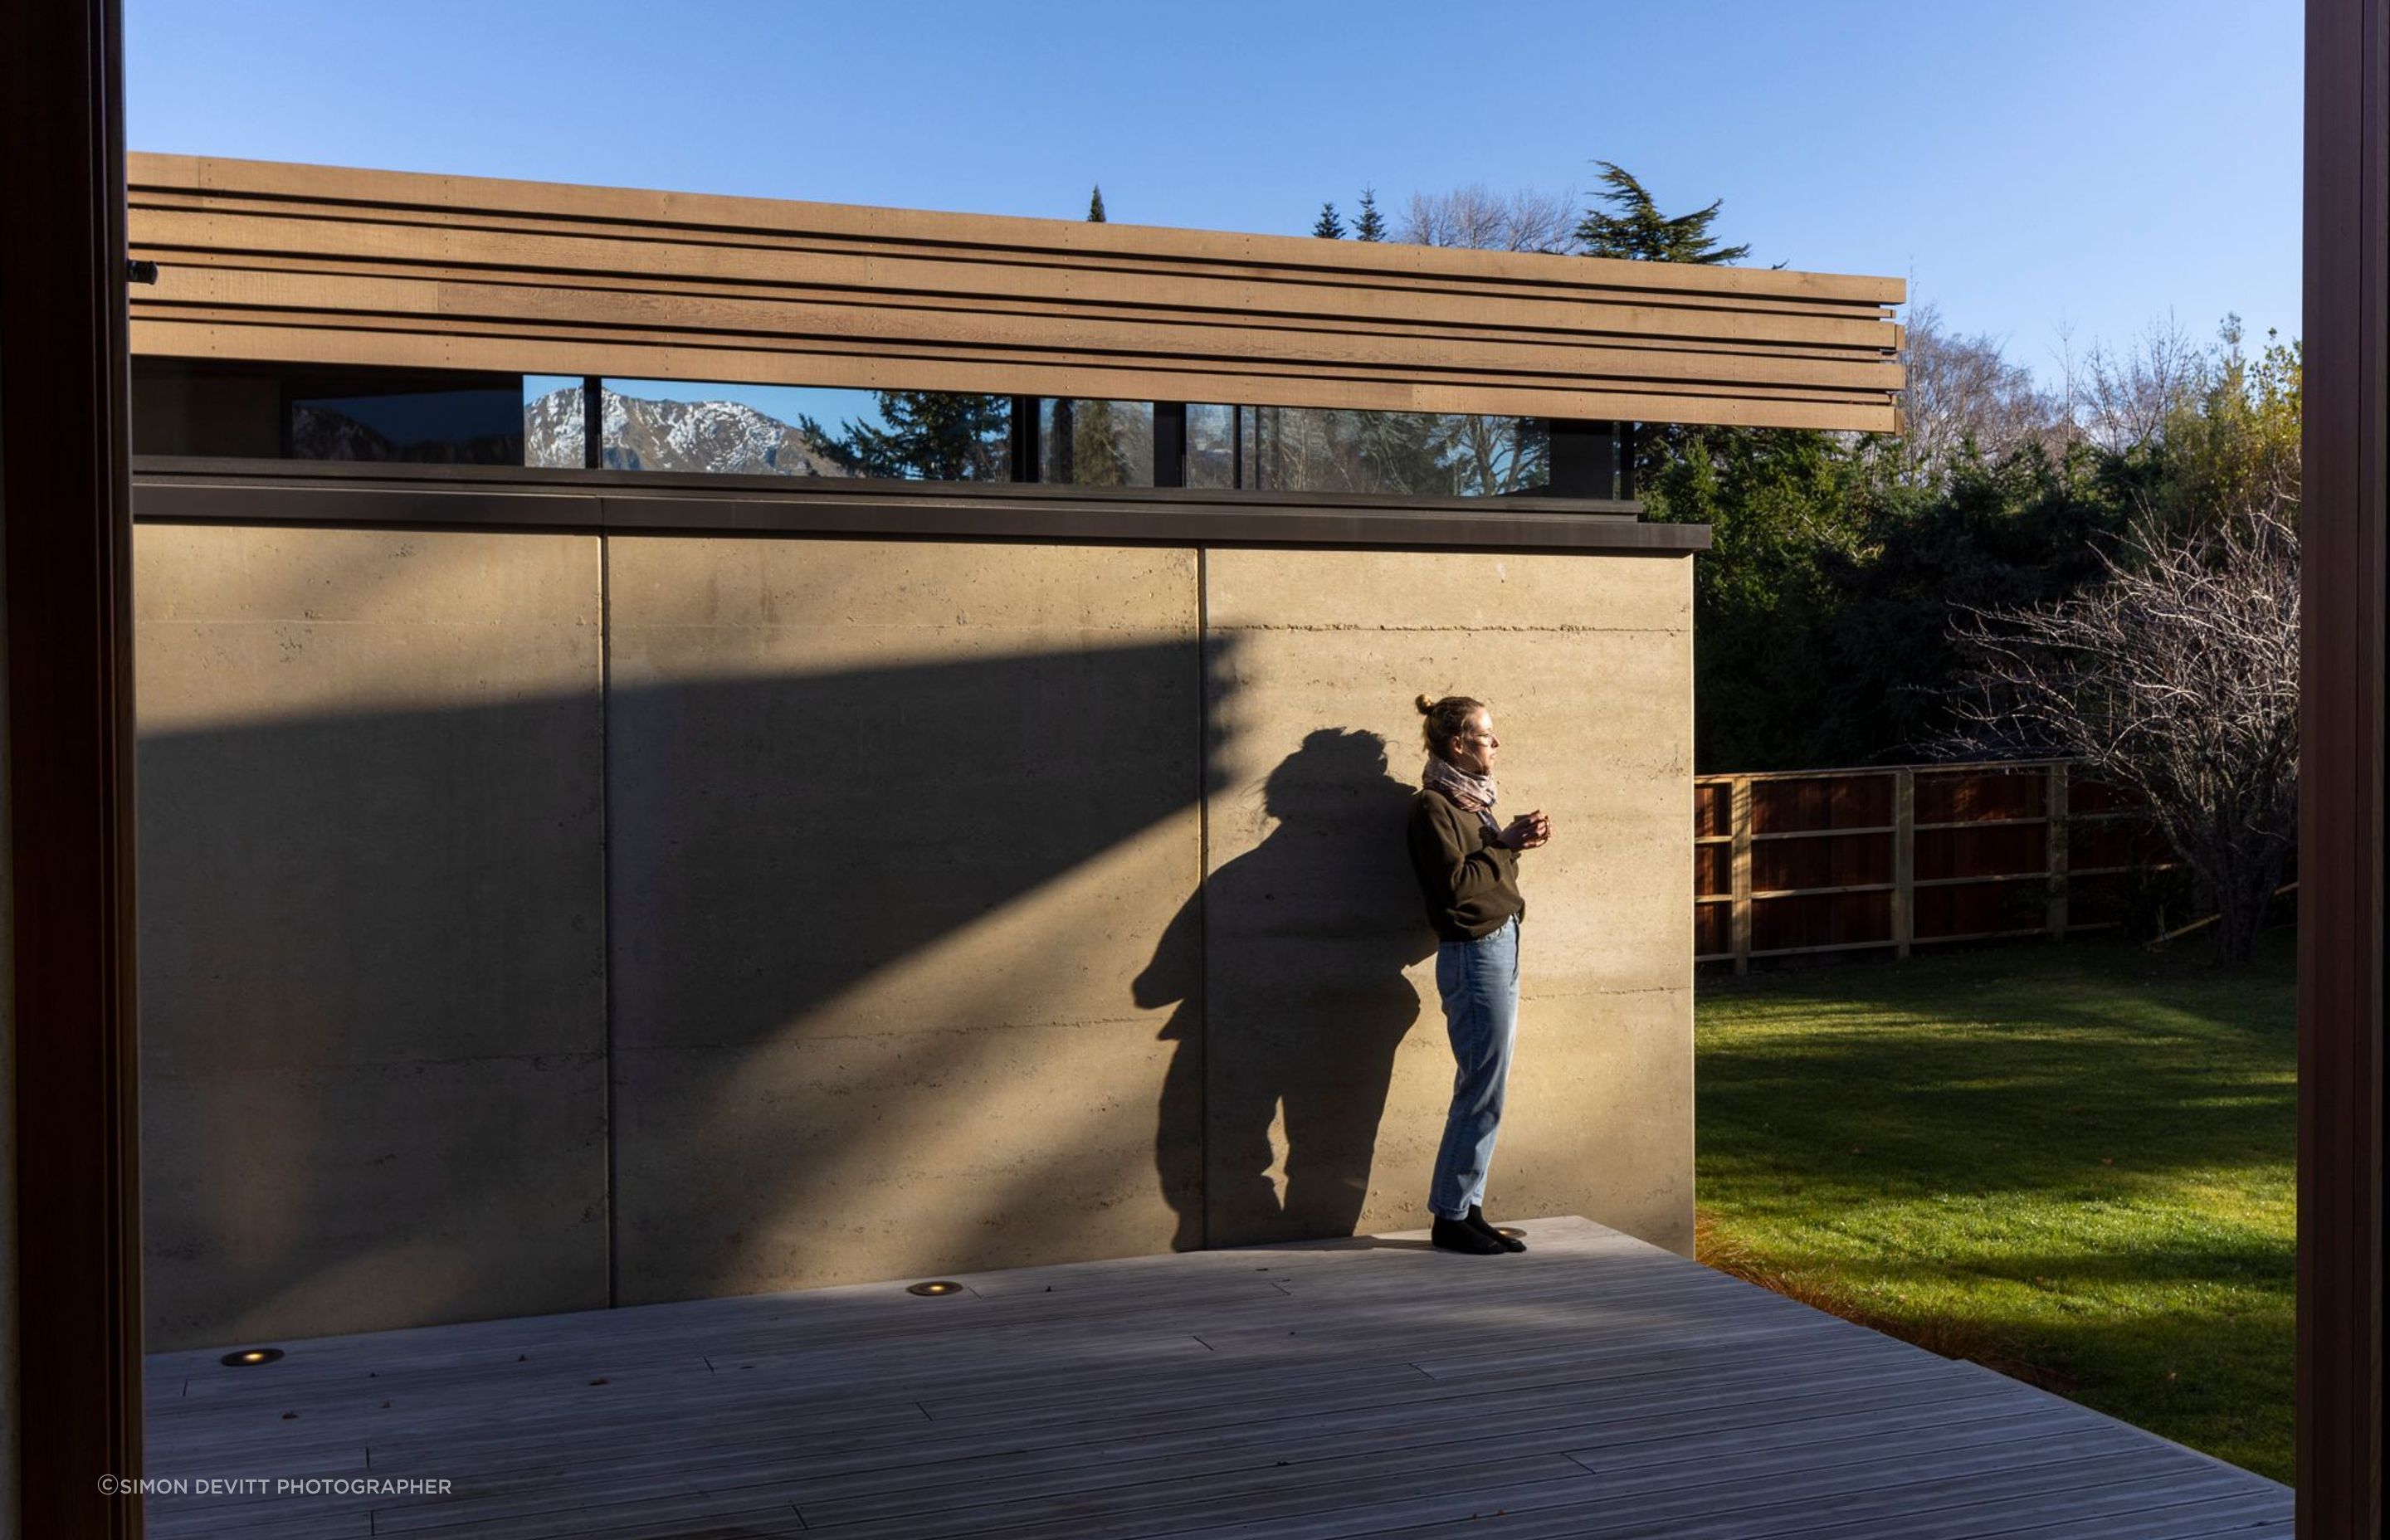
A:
x,y
1474,792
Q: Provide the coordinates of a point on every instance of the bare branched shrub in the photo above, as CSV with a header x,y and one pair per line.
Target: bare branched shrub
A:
x,y
2124,398
2176,677
1479,217
1962,389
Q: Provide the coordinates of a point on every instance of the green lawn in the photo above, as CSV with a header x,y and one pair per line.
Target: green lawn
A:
x,y
2073,1161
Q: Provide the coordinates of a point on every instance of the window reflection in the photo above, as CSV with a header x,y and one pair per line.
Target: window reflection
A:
x,y
1400,454
311,412
467,427
794,430
552,421
270,411
1104,444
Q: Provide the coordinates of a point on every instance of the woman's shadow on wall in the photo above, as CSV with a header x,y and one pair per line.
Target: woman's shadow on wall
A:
x,y
1286,969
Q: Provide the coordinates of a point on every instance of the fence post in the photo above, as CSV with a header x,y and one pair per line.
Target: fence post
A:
x,y
1739,906
2054,805
1904,859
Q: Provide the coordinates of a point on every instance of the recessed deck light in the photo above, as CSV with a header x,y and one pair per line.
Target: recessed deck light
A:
x,y
940,1287
1511,1230
250,1357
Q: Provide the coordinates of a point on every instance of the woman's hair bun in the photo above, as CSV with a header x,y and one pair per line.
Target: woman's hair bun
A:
x,y
1447,719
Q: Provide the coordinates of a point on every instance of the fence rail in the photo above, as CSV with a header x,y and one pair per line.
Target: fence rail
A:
x,y
1801,862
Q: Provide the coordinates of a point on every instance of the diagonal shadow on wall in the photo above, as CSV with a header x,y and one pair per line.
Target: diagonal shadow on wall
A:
x,y
856,920
826,978
869,933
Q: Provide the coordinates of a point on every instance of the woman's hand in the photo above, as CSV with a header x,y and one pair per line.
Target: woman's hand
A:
x,y
1527,831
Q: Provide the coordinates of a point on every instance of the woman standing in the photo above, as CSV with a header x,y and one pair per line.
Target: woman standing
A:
x,y
1468,867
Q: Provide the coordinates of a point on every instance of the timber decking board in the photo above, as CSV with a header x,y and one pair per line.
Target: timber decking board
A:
x,y
862,1460
1593,1386
648,1335
1025,1419
892,1478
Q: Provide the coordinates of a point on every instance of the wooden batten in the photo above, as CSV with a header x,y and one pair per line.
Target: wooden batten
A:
x,y
266,262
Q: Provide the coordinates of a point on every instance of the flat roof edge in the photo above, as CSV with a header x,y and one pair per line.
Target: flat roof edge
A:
x,y
181,491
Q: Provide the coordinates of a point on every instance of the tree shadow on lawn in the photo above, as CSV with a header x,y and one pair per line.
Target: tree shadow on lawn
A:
x,y
2191,1340
2076,1076
2073,1166
2241,1265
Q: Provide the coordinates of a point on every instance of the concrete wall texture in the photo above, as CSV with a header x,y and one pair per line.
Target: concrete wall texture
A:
x,y
371,906
532,922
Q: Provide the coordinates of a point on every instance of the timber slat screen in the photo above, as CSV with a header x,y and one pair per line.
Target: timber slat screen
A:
x,y
1798,863
318,265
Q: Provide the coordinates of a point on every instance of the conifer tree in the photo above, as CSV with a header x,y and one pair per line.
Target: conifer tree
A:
x,y
930,435
1095,455
942,436
1328,227
1063,464
1638,231
1371,224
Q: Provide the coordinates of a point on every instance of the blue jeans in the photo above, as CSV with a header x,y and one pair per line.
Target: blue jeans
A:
x,y
1479,981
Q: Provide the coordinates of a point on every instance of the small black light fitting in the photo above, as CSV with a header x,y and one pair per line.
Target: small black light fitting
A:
x,y
250,1357
940,1287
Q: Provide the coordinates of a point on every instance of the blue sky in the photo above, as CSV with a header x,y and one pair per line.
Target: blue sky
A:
x,y
2033,169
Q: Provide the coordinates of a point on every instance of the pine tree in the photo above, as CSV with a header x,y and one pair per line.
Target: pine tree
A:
x,y
1095,457
931,435
1371,224
1329,227
1066,432
1640,233
1635,229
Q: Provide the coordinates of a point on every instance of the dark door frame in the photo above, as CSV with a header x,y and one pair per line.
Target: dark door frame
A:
x,y
66,512
2339,1476
65,537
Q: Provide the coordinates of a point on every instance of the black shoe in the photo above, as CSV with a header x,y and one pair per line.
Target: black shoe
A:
x,y
1477,1223
1459,1235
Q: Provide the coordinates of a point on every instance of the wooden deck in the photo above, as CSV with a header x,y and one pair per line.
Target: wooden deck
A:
x,y
1592,1386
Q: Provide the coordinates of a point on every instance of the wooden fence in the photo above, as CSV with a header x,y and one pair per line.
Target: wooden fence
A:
x,y
1796,863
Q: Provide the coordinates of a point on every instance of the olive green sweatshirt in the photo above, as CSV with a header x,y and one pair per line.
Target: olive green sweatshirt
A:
x,y
1471,884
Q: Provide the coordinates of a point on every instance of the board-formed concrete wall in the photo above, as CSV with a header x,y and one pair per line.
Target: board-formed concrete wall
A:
x,y
895,826
535,920
1325,1042
372,981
